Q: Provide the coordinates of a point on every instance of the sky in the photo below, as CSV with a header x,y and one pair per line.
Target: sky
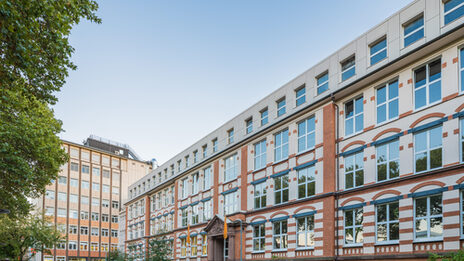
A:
x,y
160,75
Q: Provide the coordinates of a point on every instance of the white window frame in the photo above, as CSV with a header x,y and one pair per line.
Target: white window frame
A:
x,y
300,97
260,228
281,106
320,84
450,11
260,157
353,227
307,172
195,183
353,66
427,85
388,160
354,116
184,188
461,70
230,136
428,148
383,38
282,189
306,232
264,116
354,170
230,203
261,196
282,236
388,222
388,101
249,125
207,213
428,217
230,168
309,135
411,21
279,150
207,178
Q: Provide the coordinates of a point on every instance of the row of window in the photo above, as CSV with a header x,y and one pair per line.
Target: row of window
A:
x,y
73,198
94,231
206,184
195,216
196,249
84,246
85,155
162,225
84,185
85,169
61,212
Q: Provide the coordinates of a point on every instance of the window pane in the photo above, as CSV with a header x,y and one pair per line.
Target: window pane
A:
x,y
394,231
382,213
393,109
421,207
436,205
382,232
436,227
381,95
381,113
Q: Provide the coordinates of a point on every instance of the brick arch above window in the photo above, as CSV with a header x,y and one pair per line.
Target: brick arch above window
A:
x,y
427,183
459,108
258,217
279,213
427,116
385,192
356,142
380,134
304,208
352,199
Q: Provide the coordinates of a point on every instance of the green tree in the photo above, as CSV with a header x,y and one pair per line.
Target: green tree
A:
x,y
19,235
159,249
35,56
116,255
455,256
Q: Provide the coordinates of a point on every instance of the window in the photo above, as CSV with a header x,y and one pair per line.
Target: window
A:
x,y
187,164
105,232
72,245
260,155
226,248
94,246
183,247
185,188
172,195
413,30
61,212
73,214
428,217
388,158
85,184
84,230
193,246
259,238
95,186
114,219
260,195
95,171
106,173
387,226
427,84
207,210
322,83
387,102
279,237
195,183
72,229
74,183
378,51
305,232
353,226
462,213
179,165
184,217
348,68
62,180
300,94
50,194
84,200
195,158
105,203
115,204
354,118
281,189
249,125
281,107
230,203
208,176
454,9
85,169
114,233
428,149
205,151
73,198
84,215
96,202
461,66
215,145
281,145
306,182
115,190
95,216
264,117
230,168
354,170
74,166
306,134
204,241
195,219
84,246
230,136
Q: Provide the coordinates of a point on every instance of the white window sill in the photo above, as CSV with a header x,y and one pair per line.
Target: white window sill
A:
x,y
278,250
304,248
352,245
426,240
383,243
258,252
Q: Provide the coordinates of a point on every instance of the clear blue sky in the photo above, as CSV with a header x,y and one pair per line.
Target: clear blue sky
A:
x,y
160,75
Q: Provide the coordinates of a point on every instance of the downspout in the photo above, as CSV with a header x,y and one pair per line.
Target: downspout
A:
x,y
337,167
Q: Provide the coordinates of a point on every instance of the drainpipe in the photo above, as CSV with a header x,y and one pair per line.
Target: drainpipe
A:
x,y
337,167
241,239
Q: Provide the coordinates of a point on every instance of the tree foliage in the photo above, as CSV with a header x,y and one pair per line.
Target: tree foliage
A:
x,y
455,256
35,56
116,255
19,235
159,250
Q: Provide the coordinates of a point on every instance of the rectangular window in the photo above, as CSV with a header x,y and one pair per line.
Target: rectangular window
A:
x,y
95,171
72,245
185,188
104,232
388,158
114,233
73,183
281,107
62,180
387,224
354,226
260,155
184,217
259,238
72,229
230,203
281,189
207,210
461,68
114,219
105,188
62,196
50,194
115,204
307,182
205,151
348,68
183,247
84,230
378,51
195,183
106,173
454,9
281,145
354,116
187,164
427,84
215,145
73,214
264,117
322,83
61,212
428,149
96,186
195,215
95,202
105,203
85,184
204,246
230,168
307,134
195,160
413,30
84,200
354,170
115,190
230,136
85,169
73,198
95,216
260,195
249,125
279,237
74,166
305,232
428,216
207,180
194,246
300,94
387,102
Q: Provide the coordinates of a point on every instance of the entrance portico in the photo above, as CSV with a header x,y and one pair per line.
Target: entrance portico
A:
x,y
216,243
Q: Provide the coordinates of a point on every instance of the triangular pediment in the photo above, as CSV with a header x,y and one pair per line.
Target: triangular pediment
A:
x,y
215,226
